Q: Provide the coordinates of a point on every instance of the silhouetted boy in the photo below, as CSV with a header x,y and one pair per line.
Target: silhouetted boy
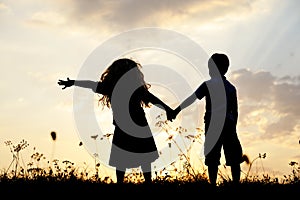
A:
x,y
220,118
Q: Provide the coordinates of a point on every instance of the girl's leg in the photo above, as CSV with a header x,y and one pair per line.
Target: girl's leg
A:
x,y
120,175
146,168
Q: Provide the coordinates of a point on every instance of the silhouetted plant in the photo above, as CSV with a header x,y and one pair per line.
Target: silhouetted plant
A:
x,y
294,177
40,170
260,156
184,157
16,150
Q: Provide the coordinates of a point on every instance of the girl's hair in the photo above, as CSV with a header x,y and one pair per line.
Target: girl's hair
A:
x,y
112,75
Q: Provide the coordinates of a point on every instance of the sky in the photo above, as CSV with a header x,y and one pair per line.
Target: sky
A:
x,y
44,41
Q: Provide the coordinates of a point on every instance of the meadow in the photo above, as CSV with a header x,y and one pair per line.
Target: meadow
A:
x,y
65,179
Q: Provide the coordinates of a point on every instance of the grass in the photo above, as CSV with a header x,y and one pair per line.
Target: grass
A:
x,y
72,186
65,179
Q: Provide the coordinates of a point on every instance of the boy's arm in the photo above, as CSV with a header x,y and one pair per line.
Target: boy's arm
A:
x,y
235,109
188,101
198,94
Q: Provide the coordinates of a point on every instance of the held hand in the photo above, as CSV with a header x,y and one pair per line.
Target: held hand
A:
x,y
67,83
171,114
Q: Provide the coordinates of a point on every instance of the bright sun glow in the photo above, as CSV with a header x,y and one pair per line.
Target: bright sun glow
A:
x,y
44,42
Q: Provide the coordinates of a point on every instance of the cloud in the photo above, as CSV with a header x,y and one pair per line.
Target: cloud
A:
x,y
117,15
4,8
128,13
268,102
255,86
47,19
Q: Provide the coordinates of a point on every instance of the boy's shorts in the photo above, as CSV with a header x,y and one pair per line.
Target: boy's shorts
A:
x,y
231,146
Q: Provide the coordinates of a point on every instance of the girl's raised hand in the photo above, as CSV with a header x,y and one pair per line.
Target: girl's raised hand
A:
x,y
67,83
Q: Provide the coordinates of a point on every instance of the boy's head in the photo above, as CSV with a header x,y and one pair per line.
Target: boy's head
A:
x,y
218,61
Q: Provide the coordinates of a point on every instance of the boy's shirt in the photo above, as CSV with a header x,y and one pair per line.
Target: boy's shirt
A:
x,y
230,106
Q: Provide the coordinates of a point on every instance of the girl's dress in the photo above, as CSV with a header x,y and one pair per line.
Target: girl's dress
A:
x,y
132,144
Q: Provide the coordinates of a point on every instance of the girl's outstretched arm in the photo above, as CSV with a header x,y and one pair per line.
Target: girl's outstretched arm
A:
x,y
80,83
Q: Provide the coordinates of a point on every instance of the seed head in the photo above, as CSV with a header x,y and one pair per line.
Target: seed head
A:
x,y
53,135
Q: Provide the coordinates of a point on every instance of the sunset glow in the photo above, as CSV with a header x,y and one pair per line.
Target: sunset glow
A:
x,y
44,41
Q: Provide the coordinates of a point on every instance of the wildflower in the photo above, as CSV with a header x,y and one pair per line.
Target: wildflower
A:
x,y
262,155
94,137
53,135
170,137
292,163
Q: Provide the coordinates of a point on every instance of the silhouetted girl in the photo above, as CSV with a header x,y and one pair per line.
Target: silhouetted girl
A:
x,y
125,91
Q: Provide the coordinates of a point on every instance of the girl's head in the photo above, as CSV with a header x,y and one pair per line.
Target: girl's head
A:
x,y
118,68
114,72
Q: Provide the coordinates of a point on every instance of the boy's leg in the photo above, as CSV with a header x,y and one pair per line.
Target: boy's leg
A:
x,y
212,160
212,151
146,168
120,175
236,172
212,174
233,152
